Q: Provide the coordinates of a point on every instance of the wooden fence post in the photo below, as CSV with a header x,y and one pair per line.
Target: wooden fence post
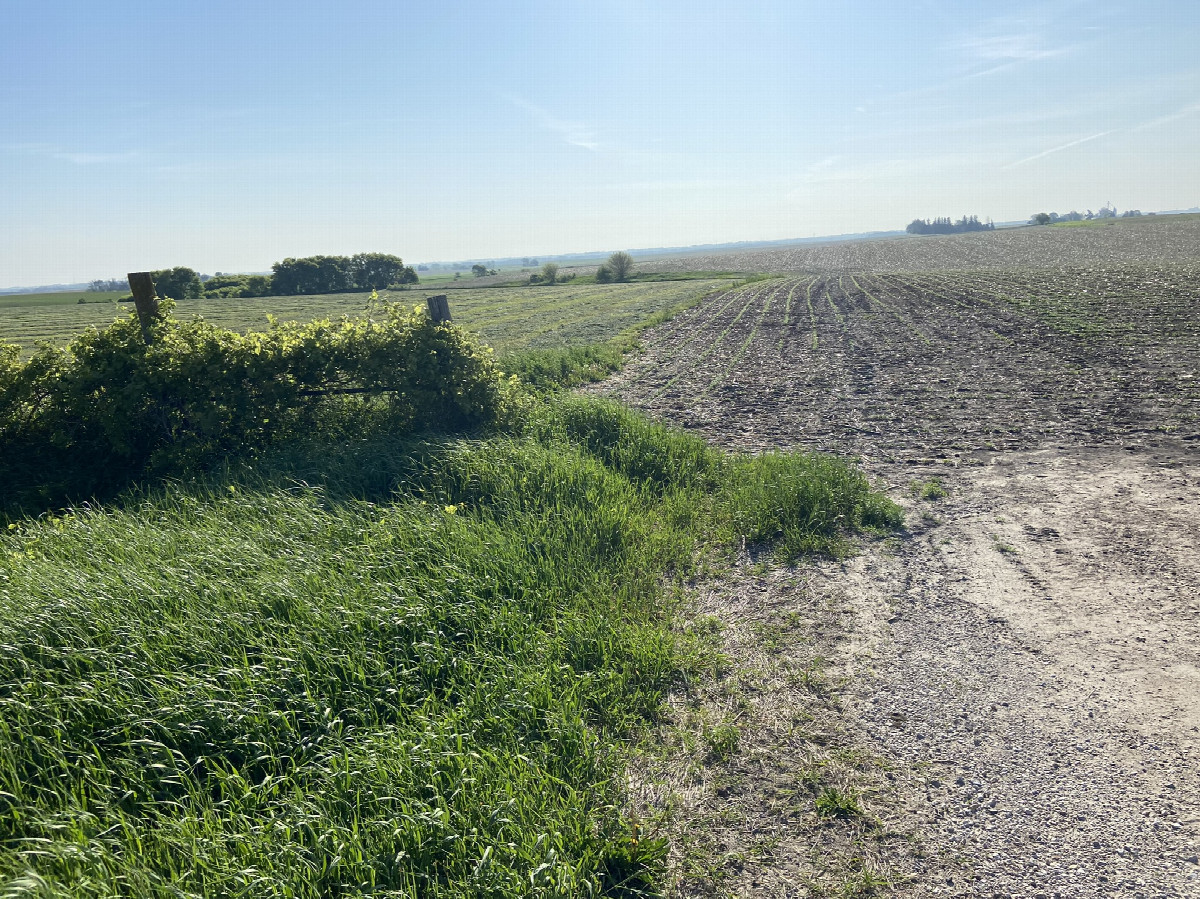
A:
x,y
439,308
144,300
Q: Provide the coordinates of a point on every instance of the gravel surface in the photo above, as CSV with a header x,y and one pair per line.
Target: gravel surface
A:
x,y
1036,682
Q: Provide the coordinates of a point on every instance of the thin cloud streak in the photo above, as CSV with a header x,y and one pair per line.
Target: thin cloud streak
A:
x,y
1183,113
1058,149
93,158
574,133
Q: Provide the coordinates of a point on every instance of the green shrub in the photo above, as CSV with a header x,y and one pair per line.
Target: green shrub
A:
x,y
85,420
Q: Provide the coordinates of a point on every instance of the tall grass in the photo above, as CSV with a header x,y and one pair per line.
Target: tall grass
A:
x,y
406,678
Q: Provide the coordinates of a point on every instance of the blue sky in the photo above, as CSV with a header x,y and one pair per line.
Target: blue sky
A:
x,y
228,135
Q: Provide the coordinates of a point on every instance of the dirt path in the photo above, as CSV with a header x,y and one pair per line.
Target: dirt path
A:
x,y
1036,681
1024,663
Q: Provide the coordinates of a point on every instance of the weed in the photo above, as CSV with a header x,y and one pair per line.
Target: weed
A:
x,y
932,490
722,741
834,803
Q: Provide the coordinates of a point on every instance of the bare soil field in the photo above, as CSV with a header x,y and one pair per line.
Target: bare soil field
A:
x,y
1149,240
1014,681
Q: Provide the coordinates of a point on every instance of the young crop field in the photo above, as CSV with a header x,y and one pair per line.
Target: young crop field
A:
x,y
932,365
510,319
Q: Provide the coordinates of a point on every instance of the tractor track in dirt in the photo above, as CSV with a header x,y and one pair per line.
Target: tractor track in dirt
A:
x,y
1022,664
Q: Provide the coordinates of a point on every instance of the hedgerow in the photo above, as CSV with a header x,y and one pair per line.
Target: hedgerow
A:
x,y
118,404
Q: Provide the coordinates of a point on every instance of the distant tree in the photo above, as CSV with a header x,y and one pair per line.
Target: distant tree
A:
x,y
549,273
945,226
313,274
479,270
375,271
621,264
222,286
179,283
604,274
1042,218
111,284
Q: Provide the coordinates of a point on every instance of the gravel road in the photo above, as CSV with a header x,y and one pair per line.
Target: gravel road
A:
x,y
1036,680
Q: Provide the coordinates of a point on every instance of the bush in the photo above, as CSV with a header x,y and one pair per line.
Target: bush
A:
x,y
110,408
621,265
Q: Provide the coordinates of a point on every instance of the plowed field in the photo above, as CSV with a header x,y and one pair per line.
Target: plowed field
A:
x,y
1022,663
905,367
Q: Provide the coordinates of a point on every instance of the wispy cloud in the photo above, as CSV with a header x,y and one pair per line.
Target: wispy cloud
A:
x,y
93,158
1026,47
1058,149
1189,110
52,151
577,134
1008,43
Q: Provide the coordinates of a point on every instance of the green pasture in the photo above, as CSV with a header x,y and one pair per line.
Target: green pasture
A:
x,y
60,298
510,319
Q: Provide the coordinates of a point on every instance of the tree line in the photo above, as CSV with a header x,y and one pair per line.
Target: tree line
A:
x,y
291,277
1107,211
946,226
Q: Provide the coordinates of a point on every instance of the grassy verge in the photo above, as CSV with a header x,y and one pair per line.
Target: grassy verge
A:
x,y
556,368
373,668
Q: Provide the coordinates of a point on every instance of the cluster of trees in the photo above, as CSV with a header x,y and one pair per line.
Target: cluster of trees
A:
x,y
340,274
310,275
946,226
479,270
1107,211
100,286
220,286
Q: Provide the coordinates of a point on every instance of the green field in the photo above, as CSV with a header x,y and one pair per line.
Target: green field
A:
x,y
60,298
507,318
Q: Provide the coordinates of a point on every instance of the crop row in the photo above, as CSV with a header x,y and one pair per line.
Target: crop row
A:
x,y
933,364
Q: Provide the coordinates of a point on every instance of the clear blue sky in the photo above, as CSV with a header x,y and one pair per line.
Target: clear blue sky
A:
x,y
228,135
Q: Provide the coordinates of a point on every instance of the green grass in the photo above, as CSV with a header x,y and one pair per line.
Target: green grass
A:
x,y
373,668
510,319
60,298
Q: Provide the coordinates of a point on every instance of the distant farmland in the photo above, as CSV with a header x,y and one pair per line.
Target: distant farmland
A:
x,y
507,318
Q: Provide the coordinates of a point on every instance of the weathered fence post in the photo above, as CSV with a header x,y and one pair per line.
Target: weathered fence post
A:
x,y
439,308
145,300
